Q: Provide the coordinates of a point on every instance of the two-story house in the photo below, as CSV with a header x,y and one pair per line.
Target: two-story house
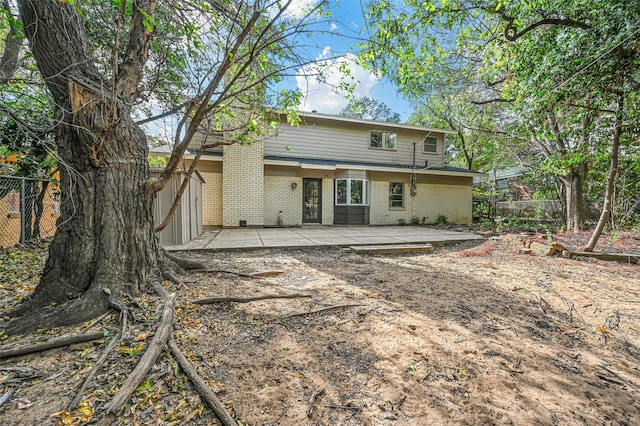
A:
x,y
335,170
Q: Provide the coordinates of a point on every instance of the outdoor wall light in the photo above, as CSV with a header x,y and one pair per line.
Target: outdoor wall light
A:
x,y
294,185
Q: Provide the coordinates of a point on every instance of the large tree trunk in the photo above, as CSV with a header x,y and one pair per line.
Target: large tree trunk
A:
x,y
611,177
574,191
105,248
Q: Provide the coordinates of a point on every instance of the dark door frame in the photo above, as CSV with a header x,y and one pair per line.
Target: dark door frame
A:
x,y
311,203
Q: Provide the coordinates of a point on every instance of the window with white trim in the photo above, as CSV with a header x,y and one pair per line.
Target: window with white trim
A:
x,y
383,140
430,145
396,195
352,192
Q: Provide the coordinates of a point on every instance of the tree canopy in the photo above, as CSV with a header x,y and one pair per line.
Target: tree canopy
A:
x,y
369,109
554,79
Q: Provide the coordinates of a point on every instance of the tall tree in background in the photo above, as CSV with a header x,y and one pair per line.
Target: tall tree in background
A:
x,y
205,60
551,67
369,109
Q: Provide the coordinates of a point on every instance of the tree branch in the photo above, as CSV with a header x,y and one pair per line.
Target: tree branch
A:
x,y
12,45
137,51
491,101
512,34
211,300
51,344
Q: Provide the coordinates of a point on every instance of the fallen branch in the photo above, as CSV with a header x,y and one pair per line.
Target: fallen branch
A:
x,y
19,374
566,301
147,361
328,308
540,302
110,347
426,376
240,274
211,300
266,273
312,401
201,386
51,344
97,320
4,398
616,379
344,407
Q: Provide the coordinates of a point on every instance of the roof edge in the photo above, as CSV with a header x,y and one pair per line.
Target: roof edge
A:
x,y
387,124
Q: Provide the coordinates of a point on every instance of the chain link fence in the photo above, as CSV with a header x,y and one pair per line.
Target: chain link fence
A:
x,y
538,209
29,209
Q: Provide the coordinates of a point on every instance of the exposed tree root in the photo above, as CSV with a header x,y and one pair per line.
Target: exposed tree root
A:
x,y
210,300
51,344
110,347
147,361
328,308
166,264
186,264
201,386
240,274
88,307
170,275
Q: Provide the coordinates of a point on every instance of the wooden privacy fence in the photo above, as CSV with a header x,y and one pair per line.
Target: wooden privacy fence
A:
x,y
29,209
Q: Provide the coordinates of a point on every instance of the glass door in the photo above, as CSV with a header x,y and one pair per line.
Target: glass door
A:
x,y
312,200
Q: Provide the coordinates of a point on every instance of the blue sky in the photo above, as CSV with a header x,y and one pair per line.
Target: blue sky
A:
x,y
344,29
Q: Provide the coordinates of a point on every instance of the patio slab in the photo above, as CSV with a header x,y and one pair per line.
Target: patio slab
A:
x,y
319,236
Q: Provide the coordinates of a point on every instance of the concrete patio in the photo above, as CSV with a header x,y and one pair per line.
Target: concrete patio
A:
x,y
315,236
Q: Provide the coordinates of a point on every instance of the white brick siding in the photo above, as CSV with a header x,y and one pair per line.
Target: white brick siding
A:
x,y
212,199
432,200
280,197
243,185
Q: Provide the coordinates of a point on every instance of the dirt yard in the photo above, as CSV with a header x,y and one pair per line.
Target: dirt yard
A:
x,y
467,335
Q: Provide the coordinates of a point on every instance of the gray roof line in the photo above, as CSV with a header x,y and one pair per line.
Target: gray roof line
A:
x,y
403,167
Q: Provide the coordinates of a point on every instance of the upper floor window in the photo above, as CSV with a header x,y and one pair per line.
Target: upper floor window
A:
x,y
384,140
430,145
352,192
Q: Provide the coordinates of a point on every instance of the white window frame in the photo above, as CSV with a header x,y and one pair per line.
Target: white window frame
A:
x,y
388,140
434,143
393,195
349,195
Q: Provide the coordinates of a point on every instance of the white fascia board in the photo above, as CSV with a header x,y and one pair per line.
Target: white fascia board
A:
x,y
317,166
299,164
408,170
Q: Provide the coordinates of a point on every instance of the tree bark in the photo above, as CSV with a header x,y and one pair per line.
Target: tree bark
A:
x,y
13,43
104,246
574,191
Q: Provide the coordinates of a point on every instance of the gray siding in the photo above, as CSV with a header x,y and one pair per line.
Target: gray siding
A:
x,y
350,142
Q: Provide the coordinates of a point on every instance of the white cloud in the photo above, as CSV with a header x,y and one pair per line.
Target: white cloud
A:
x,y
299,8
333,26
324,93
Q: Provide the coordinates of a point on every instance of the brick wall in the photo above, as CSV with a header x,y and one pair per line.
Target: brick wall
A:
x,y
280,197
243,185
327,201
212,199
432,200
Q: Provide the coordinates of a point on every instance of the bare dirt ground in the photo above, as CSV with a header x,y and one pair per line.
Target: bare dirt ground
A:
x,y
467,335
